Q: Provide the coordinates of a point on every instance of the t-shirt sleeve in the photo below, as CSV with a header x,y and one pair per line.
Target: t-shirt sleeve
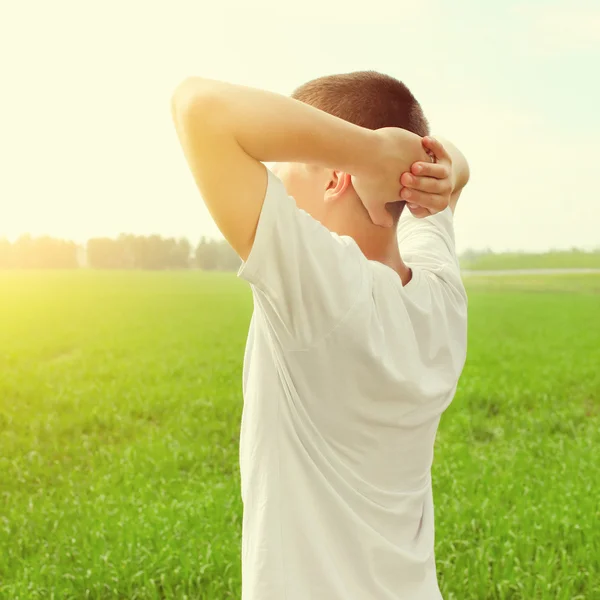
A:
x,y
305,279
429,244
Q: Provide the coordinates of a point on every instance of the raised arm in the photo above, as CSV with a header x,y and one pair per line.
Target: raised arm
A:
x,y
227,131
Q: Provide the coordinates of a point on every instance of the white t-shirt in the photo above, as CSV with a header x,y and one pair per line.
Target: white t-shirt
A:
x,y
346,374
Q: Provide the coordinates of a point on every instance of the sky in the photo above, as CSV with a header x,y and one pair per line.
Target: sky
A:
x,y
88,148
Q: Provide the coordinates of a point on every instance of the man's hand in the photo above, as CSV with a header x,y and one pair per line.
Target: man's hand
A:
x,y
380,184
428,186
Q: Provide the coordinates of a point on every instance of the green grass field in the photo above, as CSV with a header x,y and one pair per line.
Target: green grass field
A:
x,y
575,259
120,404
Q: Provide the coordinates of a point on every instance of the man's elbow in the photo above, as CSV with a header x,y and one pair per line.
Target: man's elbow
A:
x,y
195,97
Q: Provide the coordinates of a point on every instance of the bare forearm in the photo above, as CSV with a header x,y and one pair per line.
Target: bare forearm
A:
x,y
274,128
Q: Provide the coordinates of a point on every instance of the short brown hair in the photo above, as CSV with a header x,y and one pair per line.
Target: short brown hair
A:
x,y
366,98
369,99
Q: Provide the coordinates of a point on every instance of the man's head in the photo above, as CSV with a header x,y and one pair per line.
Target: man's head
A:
x,y
366,98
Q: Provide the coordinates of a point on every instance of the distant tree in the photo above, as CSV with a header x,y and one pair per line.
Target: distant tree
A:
x,y
43,253
216,255
139,252
469,255
106,253
23,252
207,254
55,253
181,254
153,252
229,259
127,249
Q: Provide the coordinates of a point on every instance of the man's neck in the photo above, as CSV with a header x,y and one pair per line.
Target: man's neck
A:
x,y
383,247
376,243
391,258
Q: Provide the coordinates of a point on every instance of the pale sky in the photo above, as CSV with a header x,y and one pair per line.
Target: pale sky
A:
x,y
88,148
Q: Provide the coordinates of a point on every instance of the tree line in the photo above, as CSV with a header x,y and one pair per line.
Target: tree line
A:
x,y
155,252
124,252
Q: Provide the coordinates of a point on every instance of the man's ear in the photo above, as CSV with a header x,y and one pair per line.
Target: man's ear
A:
x,y
337,184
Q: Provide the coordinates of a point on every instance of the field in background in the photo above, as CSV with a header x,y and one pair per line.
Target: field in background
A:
x,y
574,259
120,403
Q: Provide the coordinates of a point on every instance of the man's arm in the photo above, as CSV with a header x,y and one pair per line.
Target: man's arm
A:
x,y
227,131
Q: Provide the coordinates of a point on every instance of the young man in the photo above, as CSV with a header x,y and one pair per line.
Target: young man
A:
x,y
358,335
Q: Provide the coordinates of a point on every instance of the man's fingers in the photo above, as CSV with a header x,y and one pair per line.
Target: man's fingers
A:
x,y
436,147
434,202
423,169
424,184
